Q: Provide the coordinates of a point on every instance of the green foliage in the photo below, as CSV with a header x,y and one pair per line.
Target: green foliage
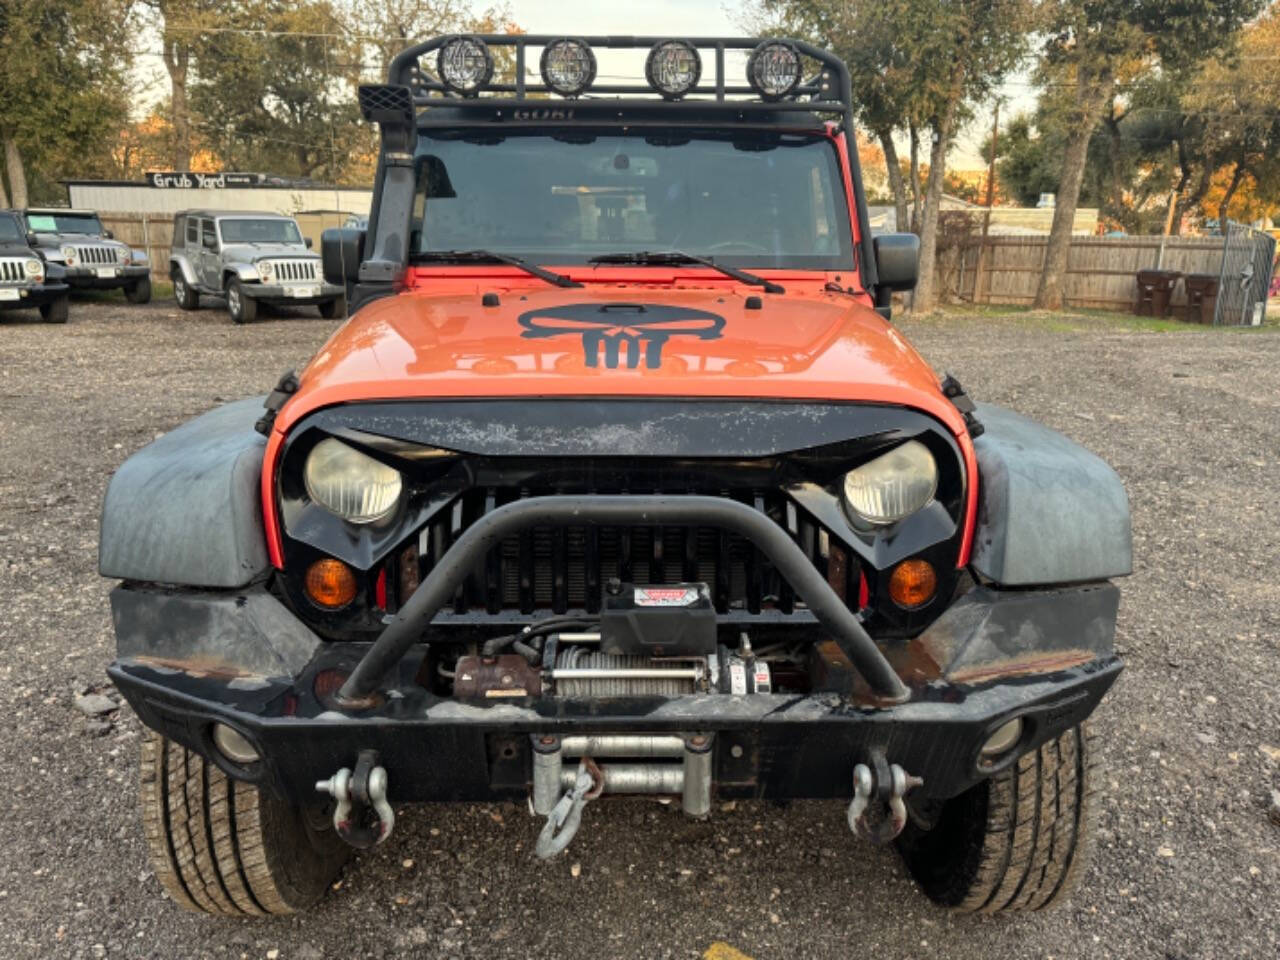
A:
x,y
275,99
63,87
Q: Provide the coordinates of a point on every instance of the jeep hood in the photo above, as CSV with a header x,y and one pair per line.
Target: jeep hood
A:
x,y
257,251
620,341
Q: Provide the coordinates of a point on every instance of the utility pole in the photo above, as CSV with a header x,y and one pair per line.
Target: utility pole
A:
x,y
991,195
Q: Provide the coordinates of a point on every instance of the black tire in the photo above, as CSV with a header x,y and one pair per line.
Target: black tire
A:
x,y
242,309
331,309
139,291
57,310
1017,841
188,298
224,847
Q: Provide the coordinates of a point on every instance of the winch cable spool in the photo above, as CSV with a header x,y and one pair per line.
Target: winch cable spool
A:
x,y
632,675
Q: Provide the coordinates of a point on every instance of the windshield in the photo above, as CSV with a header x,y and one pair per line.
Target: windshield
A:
x,y
259,231
10,231
64,223
755,199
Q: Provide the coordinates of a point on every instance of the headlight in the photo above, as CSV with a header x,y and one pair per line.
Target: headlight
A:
x,y
264,270
69,255
892,486
34,268
350,484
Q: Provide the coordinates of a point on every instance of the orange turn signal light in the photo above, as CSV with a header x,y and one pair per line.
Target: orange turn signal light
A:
x,y
330,583
913,583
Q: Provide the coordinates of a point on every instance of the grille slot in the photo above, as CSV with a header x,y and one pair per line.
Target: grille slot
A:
x,y
97,254
558,569
294,271
12,270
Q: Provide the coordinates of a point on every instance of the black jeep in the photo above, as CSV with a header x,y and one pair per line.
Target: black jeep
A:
x,y
27,281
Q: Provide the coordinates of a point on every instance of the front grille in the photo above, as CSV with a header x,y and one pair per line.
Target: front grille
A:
x,y
12,269
98,254
294,271
558,569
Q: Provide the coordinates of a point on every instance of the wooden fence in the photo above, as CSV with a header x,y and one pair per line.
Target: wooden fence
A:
x,y
153,234
1100,270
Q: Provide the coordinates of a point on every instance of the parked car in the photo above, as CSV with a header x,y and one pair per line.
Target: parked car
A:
x,y
619,480
27,281
248,259
91,257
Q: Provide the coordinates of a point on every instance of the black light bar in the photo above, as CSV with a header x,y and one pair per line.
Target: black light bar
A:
x,y
826,92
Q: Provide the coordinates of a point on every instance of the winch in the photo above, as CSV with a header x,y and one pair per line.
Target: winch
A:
x,y
651,641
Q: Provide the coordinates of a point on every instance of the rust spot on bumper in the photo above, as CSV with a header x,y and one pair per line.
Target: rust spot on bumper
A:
x,y
1038,662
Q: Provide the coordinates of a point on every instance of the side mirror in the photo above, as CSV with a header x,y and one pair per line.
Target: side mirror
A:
x,y
341,250
108,234
32,239
897,261
307,241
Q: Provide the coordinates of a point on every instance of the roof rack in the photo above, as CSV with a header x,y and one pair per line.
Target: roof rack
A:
x,y
824,91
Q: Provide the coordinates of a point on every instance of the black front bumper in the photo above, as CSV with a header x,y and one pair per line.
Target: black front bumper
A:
x,y
86,277
189,660
34,295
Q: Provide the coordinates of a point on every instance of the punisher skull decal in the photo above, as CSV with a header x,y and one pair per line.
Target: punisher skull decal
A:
x,y
642,328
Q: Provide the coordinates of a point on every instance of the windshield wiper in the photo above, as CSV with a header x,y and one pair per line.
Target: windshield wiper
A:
x,y
661,257
488,256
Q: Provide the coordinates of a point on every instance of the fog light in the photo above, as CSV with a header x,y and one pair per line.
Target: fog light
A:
x,y
465,65
673,68
1003,740
913,583
234,745
330,583
568,66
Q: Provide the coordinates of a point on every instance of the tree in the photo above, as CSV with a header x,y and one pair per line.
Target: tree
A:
x,y
1094,45
182,25
275,92
915,65
63,86
1237,103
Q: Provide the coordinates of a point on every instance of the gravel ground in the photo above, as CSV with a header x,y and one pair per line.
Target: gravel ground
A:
x,y
1188,863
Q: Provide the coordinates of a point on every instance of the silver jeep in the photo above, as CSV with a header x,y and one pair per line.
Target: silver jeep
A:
x,y
248,259
91,258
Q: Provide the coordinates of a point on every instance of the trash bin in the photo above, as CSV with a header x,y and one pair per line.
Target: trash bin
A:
x,y
1155,288
1202,297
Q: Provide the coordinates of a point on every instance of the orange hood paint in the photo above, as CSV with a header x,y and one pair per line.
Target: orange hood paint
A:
x,y
802,345
806,344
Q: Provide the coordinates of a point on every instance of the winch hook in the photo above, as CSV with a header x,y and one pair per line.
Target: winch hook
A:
x,y
566,816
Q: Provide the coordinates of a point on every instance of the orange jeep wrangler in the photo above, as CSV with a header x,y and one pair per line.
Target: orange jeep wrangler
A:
x,y
619,480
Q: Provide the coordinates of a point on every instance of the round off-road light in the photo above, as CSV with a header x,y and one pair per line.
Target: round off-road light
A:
x,y
465,65
673,68
913,583
1003,740
892,486
330,584
773,69
568,66
233,745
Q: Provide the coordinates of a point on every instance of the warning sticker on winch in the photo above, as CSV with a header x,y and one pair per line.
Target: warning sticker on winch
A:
x,y
665,596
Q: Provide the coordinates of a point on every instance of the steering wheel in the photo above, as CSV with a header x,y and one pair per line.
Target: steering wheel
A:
x,y
727,245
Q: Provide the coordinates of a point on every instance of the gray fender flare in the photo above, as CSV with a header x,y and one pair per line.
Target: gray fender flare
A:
x,y
1049,511
183,264
187,509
